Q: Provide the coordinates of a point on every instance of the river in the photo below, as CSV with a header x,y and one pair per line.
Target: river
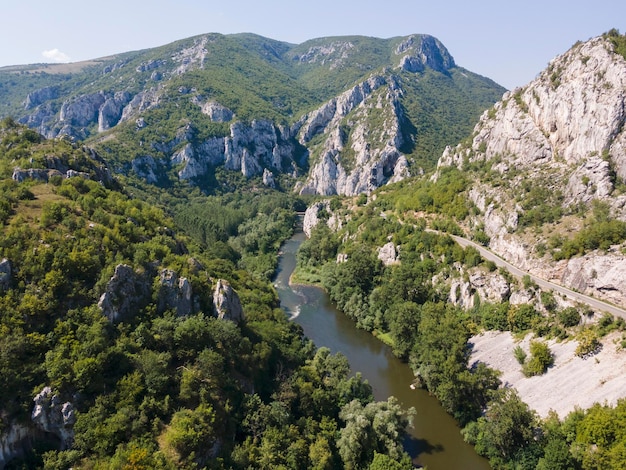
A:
x,y
434,440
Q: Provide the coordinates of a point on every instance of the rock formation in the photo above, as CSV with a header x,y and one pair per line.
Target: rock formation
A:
x,y
5,274
374,149
53,416
564,132
125,293
226,302
175,293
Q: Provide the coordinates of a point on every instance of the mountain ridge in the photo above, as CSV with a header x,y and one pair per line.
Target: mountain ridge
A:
x,y
151,96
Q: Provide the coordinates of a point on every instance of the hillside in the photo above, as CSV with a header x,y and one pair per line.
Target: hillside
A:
x,y
531,373
549,165
339,115
126,341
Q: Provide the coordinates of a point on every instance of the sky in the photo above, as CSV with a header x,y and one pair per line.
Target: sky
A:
x,y
507,41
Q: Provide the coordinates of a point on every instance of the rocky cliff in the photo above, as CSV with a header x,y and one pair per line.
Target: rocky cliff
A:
x,y
339,115
544,156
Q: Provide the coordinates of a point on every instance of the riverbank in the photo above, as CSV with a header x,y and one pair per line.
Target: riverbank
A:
x,y
570,383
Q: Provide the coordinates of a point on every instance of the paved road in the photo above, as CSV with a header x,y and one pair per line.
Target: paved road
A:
x,y
595,304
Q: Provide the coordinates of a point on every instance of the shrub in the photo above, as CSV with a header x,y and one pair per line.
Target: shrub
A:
x,y
541,358
568,317
519,354
587,343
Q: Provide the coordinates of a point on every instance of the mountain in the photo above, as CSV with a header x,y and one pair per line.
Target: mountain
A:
x,y
129,339
548,163
530,370
338,115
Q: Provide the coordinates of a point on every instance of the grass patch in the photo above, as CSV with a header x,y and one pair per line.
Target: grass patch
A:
x,y
30,210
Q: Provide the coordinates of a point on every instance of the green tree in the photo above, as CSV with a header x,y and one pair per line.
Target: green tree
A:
x,y
375,427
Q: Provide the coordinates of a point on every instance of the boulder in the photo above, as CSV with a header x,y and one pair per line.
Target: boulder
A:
x,y
125,293
175,293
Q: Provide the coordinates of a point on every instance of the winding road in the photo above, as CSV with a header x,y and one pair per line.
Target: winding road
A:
x,y
595,304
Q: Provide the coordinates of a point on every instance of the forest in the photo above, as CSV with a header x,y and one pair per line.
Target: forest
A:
x,y
406,304
155,388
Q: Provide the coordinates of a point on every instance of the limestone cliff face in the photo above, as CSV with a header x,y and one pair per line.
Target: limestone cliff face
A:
x,y
226,302
53,416
361,156
563,135
250,149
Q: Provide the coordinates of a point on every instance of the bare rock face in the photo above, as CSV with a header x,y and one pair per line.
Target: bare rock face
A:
x,y
374,150
388,254
421,51
111,110
175,293
146,167
226,302
215,111
82,110
5,275
491,287
53,416
320,212
38,97
268,178
125,293
598,275
564,133
14,442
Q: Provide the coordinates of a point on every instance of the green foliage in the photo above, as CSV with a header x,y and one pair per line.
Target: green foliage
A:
x,y
505,435
540,359
444,197
600,235
618,40
373,428
588,342
568,317
520,355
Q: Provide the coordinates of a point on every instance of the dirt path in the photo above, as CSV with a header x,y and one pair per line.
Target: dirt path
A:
x,y
571,382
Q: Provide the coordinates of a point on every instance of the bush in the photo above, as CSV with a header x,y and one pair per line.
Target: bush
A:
x,y
568,317
519,354
541,358
588,343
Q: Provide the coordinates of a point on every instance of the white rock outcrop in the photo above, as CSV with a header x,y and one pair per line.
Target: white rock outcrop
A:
x,y
226,302
564,133
53,416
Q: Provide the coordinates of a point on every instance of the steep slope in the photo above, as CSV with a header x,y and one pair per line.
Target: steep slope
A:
x,y
124,344
341,115
549,163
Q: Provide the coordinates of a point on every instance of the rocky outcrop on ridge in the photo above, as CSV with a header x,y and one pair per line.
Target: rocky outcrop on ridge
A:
x,y
564,135
226,302
361,157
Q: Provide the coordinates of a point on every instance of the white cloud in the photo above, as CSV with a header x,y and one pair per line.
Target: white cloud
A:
x,y
56,55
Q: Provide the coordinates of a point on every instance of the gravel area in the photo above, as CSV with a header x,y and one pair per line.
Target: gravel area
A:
x,y
572,381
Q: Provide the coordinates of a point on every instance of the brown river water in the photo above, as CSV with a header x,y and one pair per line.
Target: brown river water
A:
x,y
435,440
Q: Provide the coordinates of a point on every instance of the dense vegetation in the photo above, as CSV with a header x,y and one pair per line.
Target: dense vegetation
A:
x,y
407,305
156,389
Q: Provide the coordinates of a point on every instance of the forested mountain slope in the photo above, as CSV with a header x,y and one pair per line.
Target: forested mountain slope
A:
x,y
339,115
125,342
540,182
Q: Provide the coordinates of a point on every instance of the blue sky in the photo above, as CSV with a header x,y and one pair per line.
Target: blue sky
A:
x,y
508,41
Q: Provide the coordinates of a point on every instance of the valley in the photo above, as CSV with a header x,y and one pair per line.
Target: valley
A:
x,y
479,233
